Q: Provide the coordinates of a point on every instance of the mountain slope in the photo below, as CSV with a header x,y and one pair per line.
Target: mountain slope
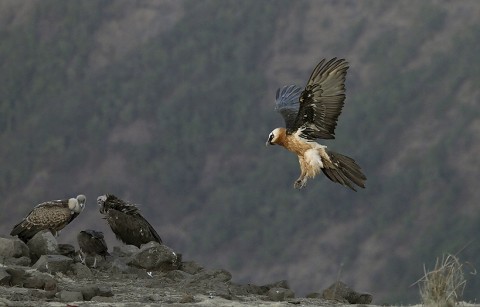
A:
x,y
169,105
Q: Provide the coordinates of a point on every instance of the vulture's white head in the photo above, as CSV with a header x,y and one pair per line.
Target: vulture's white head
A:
x,y
76,205
81,201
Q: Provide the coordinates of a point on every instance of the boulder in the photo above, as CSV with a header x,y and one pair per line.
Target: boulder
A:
x,y
67,250
43,243
18,276
5,277
89,292
191,267
339,291
104,291
125,250
155,256
280,294
81,270
39,280
219,275
53,263
22,261
70,296
13,248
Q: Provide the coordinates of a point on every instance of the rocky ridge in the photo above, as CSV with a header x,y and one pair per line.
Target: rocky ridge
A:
x,y
45,273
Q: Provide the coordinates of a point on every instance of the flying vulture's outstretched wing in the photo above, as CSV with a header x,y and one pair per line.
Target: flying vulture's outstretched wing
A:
x,y
321,101
286,103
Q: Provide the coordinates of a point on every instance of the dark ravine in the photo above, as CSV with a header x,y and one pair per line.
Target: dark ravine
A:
x,y
152,275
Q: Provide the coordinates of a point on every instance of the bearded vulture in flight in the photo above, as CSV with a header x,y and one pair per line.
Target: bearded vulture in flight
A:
x,y
53,215
91,243
126,222
312,114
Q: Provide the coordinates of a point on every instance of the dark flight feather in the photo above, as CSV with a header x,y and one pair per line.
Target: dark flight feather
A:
x,y
321,101
126,222
343,170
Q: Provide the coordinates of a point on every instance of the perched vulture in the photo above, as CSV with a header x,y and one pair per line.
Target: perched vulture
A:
x,y
91,243
53,215
126,222
312,114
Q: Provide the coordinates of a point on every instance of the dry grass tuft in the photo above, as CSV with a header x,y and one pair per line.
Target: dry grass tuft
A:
x,y
443,287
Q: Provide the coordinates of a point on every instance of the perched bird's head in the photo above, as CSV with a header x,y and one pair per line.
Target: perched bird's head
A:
x,y
101,203
275,137
76,205
82,200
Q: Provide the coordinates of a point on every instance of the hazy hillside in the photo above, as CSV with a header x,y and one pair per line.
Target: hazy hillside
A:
x,y
169,104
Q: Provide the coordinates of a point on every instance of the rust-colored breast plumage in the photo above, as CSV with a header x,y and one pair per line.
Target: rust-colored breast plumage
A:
x,y
295,144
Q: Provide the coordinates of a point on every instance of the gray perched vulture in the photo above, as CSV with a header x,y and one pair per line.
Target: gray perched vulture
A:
x,y
53,215
91,243
126,222
312,114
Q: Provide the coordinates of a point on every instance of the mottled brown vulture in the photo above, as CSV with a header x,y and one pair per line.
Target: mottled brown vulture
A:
x,y
53,215
126,222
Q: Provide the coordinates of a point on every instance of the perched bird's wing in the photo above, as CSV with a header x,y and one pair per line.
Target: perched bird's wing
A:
x,y
286,103
131,229
126,221
321,101
52,215
92,242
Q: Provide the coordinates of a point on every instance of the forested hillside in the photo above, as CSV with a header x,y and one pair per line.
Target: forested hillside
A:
x,y
168,104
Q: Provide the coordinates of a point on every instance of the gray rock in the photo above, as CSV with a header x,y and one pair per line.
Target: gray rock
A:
x,y
248,289
89,292
125,250
22,261
43,243
220,289
280,294
191,267
5,302
42,294
66,250
39,280
219,275
177,275
81,270
13,248
119,265
314,295
279,284
103,299
339,291
18,276
104,291
187,298
53,263
155,256
4,277
70,296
